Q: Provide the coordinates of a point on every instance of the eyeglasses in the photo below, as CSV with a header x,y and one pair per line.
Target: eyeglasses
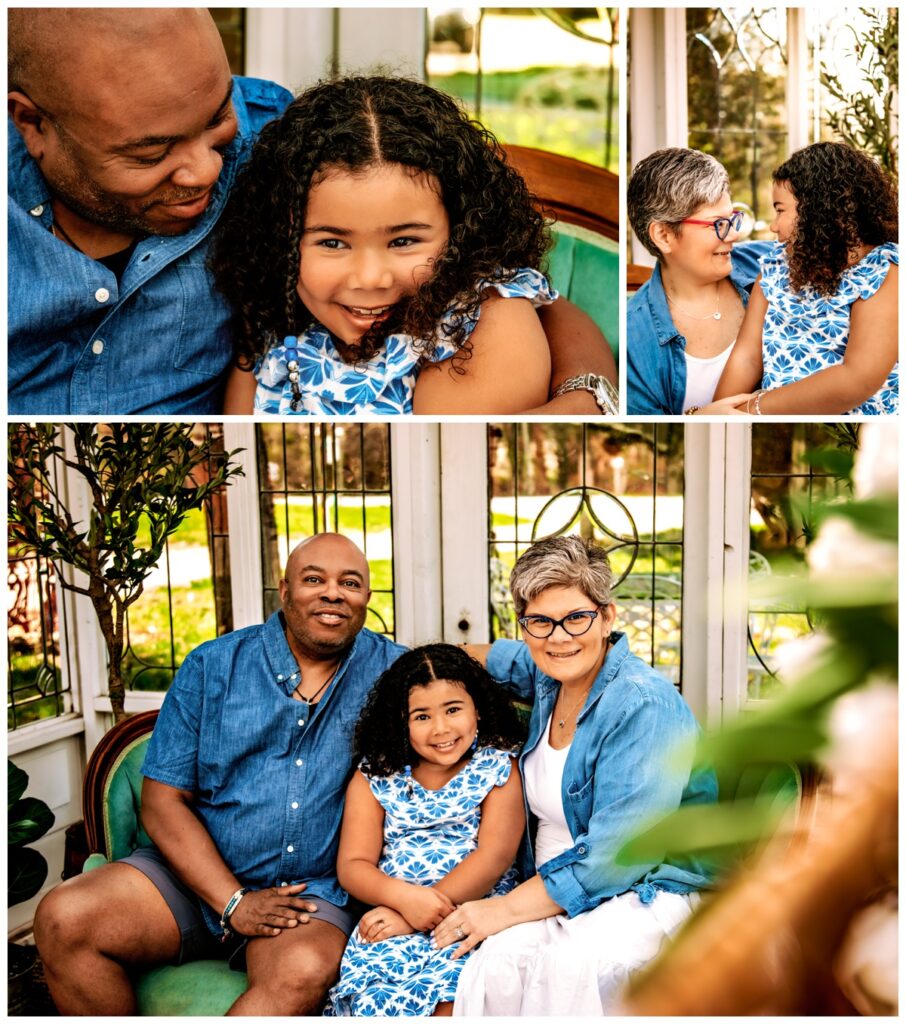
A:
x,y
542,626
722,225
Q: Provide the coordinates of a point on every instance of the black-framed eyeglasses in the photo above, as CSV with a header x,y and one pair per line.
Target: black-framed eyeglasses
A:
x,y
722,225
542,626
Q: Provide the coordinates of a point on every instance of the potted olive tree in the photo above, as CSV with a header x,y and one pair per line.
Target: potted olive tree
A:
x,y
143,479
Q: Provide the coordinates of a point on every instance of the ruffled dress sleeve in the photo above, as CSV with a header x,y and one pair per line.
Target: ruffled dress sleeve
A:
x,y
524,283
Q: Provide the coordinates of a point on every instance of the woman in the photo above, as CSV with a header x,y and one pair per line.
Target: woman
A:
x,y
682,323
596,771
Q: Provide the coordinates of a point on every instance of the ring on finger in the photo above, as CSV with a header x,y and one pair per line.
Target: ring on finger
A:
x,y
459,933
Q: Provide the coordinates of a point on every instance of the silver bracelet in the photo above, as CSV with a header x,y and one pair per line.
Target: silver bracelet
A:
x,y
600,388
232,904
758,395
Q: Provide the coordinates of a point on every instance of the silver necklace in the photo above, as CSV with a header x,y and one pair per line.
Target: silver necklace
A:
x,y
711,316
562,721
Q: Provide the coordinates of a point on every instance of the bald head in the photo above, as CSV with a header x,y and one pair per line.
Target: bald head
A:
x,y
55,53
334,545
324,593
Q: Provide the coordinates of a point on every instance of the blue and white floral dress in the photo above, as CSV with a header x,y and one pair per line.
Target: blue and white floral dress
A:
x,y
426,834
384,384
806,332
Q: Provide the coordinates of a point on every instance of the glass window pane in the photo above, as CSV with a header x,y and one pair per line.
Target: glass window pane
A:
x,y
786,487
187,599
737,95
621,484
545,78
314,478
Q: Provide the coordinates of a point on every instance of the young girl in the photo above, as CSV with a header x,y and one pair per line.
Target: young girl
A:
x,y
433,817
820,333
377,238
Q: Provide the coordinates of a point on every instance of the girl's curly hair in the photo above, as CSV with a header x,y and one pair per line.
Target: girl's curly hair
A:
x,y
844,199
354,123
382,733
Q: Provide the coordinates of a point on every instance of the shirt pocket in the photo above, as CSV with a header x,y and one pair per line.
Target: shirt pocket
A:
x,y
581,798
204,343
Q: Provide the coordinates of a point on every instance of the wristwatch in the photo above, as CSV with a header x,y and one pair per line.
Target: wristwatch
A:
x,y
602,390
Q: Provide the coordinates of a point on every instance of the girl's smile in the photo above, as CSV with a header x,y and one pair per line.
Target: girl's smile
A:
x,y
371,238
443,723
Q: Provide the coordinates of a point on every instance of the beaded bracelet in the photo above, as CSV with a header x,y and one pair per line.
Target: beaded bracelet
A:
x,y
763,391
757,398
692,410
232,904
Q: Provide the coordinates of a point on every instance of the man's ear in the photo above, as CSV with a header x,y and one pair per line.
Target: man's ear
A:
x,y
662,235
29,122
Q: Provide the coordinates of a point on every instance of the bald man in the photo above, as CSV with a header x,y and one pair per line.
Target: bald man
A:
x,y
126,132
245,779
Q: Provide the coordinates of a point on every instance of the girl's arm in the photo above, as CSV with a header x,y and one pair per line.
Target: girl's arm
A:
x,y
239,398
499,835
361,842
871,353
744,369
508,371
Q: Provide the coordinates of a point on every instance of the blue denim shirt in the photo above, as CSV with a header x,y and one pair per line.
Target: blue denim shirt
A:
x,y
269,785
655,350
162,344
617,777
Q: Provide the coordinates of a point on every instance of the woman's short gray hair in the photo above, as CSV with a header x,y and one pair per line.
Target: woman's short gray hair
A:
x,y
669,186
561,562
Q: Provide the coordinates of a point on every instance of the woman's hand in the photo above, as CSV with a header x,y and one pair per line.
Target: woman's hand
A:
x,y
732,405
470,924
424,907
383,923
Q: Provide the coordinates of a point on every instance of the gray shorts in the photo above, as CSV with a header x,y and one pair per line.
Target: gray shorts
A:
x,y
197,941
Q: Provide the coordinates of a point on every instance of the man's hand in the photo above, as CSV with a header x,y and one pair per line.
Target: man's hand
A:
x,y
423,907
266,912
383,923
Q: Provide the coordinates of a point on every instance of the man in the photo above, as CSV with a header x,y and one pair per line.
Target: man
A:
x,y
126,133
245,780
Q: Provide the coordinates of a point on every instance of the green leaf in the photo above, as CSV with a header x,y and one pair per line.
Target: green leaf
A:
x,y
707,828
26,873
28,820
16,783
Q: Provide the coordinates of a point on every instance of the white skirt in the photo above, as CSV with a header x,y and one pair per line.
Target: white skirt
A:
x,y
569,967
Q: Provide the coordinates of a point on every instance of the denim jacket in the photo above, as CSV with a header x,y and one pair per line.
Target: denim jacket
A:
x,y
154,341
269,780
655,350
628,765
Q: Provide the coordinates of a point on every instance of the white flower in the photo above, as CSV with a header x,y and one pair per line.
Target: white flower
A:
x,y
797,657
841,550
876,469
866,965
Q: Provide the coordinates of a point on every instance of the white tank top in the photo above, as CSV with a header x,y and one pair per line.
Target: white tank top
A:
x,y
543,777
702,376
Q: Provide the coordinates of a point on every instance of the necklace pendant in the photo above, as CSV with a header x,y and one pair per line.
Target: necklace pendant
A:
x,y
717,316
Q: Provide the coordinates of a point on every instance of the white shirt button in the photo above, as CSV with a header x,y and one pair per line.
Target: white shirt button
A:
x,y
36,211
299,761
102,295
284,883
295,805
97,346
289,849
301,721
280,677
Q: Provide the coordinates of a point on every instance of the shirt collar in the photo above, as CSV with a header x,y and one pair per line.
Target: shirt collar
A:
x,y
281,660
